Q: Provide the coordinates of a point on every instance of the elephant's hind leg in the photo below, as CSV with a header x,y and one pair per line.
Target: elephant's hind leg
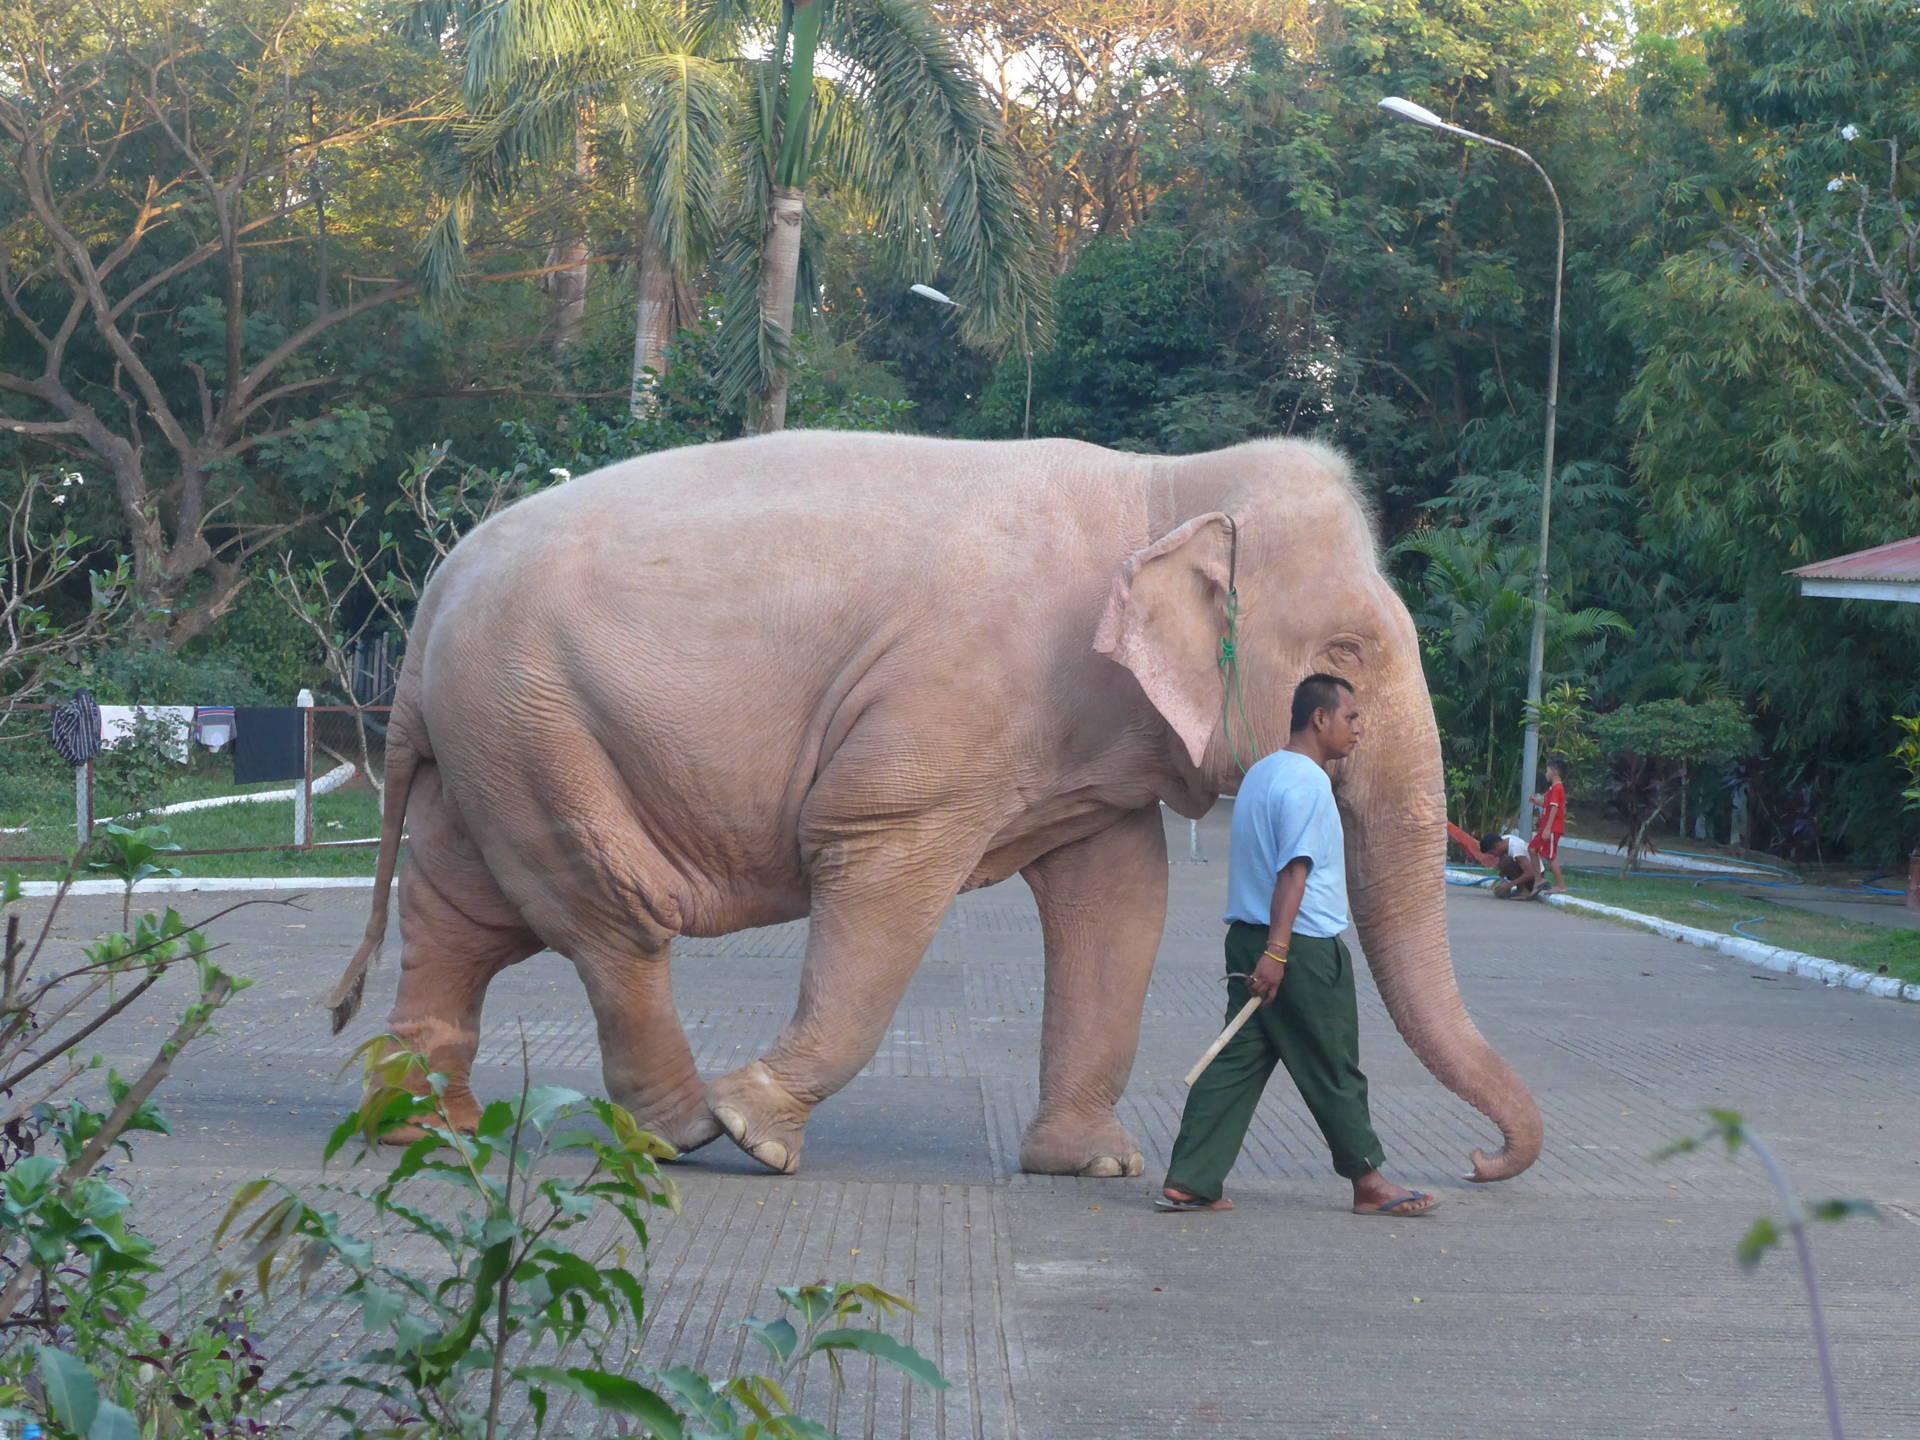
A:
x,y
644,1055
1103,905
579,863
457,932
876,906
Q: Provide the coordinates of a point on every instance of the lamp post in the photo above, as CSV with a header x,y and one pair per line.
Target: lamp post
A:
x,y
938,297
1530,755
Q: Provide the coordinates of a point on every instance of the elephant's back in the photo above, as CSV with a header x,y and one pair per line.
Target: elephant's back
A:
x,y
803,532
815,491
702,615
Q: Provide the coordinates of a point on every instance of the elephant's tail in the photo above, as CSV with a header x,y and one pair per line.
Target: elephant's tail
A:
x,y
403,760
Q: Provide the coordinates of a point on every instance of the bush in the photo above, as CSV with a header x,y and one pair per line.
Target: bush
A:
x,y
139,774
140,672
507,1311
260,641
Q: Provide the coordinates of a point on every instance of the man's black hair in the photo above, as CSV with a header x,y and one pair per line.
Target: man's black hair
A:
x,y
1488,842
1316,692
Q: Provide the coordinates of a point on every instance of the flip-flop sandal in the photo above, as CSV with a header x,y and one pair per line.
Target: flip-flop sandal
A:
x,y
1181,1207
1395,1207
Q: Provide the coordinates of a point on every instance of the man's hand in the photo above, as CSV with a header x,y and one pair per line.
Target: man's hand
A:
x,y
1264,983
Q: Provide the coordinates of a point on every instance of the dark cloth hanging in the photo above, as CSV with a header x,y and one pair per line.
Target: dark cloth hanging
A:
x,y
76,728
269,743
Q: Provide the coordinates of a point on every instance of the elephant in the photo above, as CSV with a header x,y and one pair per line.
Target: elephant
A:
x,y
844,678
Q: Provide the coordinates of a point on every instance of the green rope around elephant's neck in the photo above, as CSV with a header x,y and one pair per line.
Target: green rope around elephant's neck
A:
x,y
1233,692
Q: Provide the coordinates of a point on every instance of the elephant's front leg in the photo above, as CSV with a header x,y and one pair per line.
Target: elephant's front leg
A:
x,y
876,906
1103,904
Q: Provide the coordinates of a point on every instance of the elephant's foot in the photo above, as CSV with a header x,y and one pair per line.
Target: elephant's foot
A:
x,y
761,1115
685,1127
462,1109
1064,1145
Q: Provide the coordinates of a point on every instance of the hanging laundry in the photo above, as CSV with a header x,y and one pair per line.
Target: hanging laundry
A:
x,y
269,743
213,725
117,723
76,728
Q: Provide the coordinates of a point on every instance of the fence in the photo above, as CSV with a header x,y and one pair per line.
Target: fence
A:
x,y
48,808
375,671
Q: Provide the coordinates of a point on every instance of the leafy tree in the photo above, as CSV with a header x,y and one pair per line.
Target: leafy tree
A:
x,y
724,147
1749,451
1564,723
1132,360
192,202
40,553
1079,83
1473,601
1650,747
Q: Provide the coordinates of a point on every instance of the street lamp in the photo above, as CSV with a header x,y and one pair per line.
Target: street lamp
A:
x,y
941,298
1530,756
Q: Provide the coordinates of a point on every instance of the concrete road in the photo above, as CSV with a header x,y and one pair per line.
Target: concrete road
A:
x,y
1597,1295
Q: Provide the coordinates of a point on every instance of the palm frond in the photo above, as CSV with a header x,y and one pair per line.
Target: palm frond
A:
x,y
683,154
714,27
531,124
503,37
749,353
935,147
441,262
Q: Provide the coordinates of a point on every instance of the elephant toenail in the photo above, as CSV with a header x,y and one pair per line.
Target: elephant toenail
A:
x,y
1104,1168
732,1121
772,1154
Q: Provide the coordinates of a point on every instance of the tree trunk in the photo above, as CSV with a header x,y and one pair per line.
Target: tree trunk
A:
x,y
780,253
779,284
654,317
568,284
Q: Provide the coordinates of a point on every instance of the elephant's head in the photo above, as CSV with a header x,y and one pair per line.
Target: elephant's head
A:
x,y
1280,526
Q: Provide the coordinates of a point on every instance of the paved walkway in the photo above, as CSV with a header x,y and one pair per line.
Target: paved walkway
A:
x,y
1598,1295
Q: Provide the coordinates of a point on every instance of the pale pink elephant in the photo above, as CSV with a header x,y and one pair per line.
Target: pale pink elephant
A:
x,y
847,677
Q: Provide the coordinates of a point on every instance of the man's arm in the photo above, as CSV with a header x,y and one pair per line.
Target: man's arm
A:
x,y
1289,889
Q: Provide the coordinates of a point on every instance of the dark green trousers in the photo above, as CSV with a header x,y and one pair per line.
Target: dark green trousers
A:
x,y
1313,1028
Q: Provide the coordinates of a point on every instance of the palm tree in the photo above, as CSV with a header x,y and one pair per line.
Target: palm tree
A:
x,y
729,110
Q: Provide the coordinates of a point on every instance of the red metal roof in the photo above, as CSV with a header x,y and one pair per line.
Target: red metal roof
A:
x,y
1898,563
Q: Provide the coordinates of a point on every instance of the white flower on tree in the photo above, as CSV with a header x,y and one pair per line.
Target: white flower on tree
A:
x,y
1849,133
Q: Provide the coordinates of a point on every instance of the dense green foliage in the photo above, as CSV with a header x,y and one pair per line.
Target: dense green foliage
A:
x,y
1246,246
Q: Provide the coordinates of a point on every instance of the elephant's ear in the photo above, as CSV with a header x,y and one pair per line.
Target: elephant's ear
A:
x,y
1164,621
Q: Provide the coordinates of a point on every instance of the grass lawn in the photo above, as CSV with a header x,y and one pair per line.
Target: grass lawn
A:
x,y
348,815
1881,949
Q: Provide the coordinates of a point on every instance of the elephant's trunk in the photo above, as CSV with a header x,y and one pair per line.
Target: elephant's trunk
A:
x,y
1397,851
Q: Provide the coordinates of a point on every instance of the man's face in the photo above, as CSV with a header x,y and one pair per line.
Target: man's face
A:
x,y
1340,727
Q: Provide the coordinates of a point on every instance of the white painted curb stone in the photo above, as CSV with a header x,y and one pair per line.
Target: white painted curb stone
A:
x,y
1830,973
1664,861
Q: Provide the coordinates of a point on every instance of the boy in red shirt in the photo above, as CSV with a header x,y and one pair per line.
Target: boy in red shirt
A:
x,y
1553,822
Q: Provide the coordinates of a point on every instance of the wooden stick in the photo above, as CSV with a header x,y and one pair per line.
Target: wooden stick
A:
x,y
1233,1029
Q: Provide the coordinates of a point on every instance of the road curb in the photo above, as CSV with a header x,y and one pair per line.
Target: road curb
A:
x,y
187,884
1666,861
1831,973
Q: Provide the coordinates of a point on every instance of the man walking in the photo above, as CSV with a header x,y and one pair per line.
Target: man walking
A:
x,y
1286,911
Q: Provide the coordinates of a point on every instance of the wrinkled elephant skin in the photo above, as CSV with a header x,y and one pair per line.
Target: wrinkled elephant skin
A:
x,y
846,677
